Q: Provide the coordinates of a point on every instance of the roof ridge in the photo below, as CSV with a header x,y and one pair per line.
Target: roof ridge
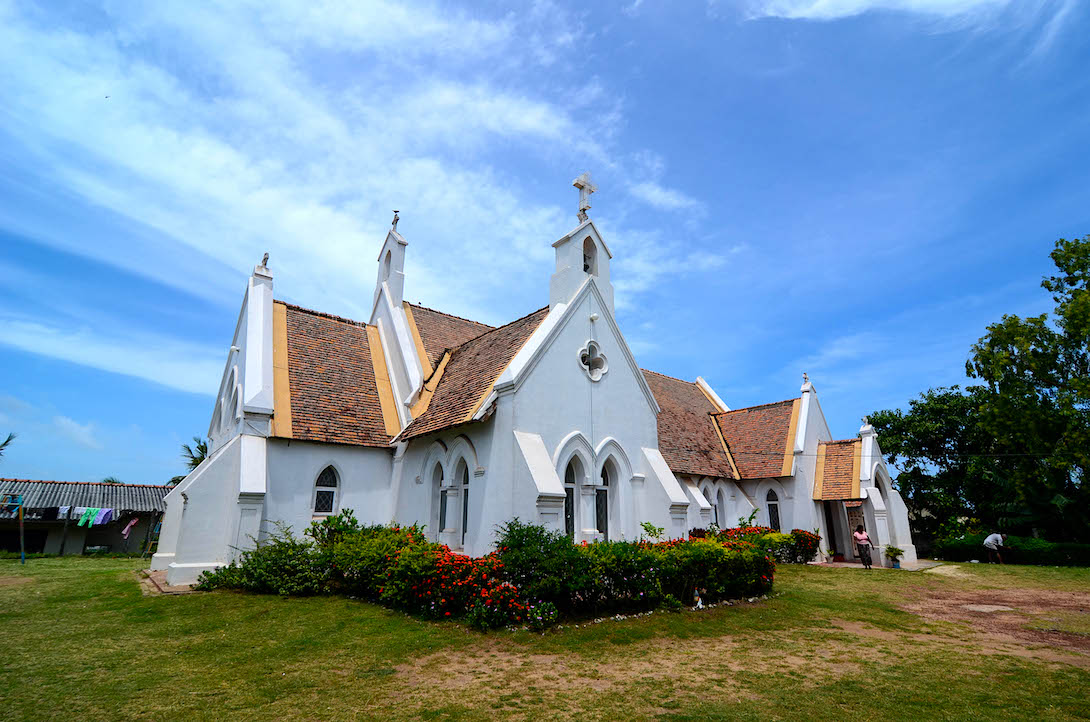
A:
x,y
449,315
94,483
667,376
841,441
311,311
756,406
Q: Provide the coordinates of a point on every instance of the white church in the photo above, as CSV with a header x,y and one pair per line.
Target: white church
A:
x,y
417,416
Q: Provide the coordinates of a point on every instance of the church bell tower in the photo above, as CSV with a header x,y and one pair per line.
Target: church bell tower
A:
x,y
581,255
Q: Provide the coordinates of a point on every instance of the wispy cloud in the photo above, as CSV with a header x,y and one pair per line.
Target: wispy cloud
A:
x,y
160,360
85,435
833,9
662,198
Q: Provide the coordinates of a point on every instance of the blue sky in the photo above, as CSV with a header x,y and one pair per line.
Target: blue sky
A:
x,y
852,188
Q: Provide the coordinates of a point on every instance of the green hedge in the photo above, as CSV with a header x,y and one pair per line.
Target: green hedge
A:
x,y
533,577
1019,550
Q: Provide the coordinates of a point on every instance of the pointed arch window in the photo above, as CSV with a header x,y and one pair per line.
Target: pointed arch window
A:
x,y
721,508
601,500
442,490
463,482
325,491
773,502
590,256
715,509
387,264
571,477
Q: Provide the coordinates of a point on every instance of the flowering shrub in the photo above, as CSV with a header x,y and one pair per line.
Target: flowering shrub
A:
x,y
542,615
806,545
533,576
497,606
359,560
798,547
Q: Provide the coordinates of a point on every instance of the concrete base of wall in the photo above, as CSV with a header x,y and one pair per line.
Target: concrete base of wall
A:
x,y
178,574
159,562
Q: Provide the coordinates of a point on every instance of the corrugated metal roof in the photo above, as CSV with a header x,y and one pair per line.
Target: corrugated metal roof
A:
x,y
121,497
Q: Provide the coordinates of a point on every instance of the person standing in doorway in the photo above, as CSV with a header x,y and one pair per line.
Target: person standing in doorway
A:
x,y
994,543
862,544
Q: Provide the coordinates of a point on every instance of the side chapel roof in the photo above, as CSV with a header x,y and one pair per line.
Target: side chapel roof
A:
x,y
331,380
761,438
470,372
837,473
688,439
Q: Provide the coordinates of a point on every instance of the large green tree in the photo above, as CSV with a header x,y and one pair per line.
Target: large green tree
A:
x,y
1014,451
1038,370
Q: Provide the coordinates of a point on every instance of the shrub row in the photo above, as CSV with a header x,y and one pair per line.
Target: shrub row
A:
x,y
1020,550
534,576
798,547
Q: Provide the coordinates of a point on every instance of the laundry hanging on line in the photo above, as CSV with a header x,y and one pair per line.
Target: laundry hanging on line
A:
x,y
128,527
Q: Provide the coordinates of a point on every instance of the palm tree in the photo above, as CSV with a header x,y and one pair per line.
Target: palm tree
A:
x,y
4,445
112,480
194,455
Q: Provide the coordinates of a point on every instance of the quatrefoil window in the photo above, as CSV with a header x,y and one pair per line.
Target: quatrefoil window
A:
x,y
593,361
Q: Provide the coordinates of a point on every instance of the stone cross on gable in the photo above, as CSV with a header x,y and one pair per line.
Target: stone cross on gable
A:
x,y
586,187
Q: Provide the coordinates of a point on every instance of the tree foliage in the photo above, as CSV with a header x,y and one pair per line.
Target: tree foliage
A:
x,y
1013,451
4,444
194,455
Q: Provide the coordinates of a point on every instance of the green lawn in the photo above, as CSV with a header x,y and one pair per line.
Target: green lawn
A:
x,y
79,640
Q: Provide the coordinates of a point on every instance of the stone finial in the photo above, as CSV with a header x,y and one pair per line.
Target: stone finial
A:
x,y
805,377
866,421
265,260
586,187
393,226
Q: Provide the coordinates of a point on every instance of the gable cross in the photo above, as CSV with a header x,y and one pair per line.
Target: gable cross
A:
x,y
586,187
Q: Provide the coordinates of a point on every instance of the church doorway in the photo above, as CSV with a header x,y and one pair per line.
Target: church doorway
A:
x,y
855,519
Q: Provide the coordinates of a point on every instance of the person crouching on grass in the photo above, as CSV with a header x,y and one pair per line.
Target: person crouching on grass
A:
x,y
862,543
993,544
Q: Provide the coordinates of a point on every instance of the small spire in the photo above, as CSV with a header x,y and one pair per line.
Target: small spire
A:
x,y
396,219
805,377
866,421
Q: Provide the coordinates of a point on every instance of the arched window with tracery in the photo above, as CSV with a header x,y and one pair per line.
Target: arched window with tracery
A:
x,y
773,502
325,491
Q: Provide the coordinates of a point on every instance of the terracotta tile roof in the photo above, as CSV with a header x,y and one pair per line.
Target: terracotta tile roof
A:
x,y
687,437
440,331
838,470
757,437
334,397
472,369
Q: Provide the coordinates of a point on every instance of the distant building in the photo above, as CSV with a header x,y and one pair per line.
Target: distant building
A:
x,y
421,417
52,511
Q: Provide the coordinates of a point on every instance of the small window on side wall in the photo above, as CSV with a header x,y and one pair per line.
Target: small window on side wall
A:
x,y
773,502
325,491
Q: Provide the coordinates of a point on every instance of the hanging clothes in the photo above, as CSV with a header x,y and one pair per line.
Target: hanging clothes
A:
x,y
104,516
128,527
88,516
62,512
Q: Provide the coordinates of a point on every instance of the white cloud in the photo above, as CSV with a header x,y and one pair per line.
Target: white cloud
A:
x,y
161,360
833,9
83,434
662,198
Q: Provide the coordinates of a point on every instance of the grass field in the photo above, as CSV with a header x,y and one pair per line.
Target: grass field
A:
x,y
80,640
